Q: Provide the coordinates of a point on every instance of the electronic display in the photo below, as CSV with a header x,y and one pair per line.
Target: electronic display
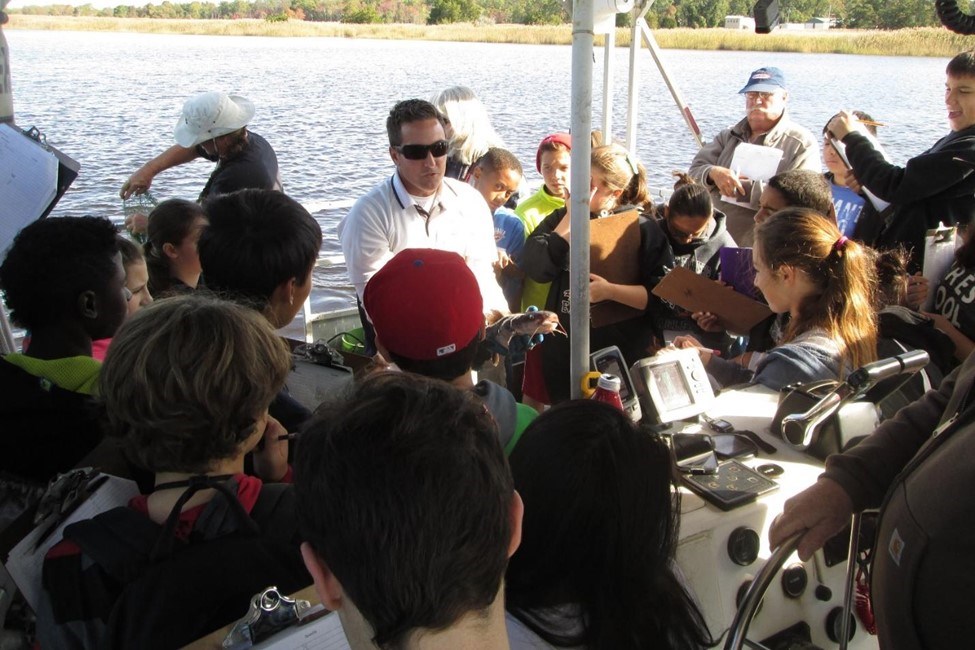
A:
x,y
672,385
610,361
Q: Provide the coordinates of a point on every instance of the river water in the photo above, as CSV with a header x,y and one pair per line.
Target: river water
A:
x,y
111,100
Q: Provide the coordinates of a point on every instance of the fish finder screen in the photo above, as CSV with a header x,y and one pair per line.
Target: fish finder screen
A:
x,y
611,365
671,385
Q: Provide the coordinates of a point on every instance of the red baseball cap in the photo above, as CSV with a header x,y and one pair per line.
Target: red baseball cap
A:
x,y
560,138
424,304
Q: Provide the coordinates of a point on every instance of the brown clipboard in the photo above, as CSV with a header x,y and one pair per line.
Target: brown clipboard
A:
x,y
614,254
695,292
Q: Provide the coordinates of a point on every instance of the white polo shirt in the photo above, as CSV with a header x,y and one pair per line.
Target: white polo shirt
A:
x,y
386,221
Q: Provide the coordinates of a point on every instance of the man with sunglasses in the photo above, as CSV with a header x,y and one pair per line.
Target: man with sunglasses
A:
x,y
766,123
417,207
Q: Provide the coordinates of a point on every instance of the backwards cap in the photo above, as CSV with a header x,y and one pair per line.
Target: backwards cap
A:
x,y
560,138
424,304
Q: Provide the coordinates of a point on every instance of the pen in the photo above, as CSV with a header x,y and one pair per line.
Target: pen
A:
x,y
870,122
288,436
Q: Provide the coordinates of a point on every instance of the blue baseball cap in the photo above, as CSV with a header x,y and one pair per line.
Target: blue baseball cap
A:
x,y
764,80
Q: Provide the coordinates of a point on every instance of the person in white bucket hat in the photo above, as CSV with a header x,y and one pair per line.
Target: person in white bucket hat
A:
x,y
213,125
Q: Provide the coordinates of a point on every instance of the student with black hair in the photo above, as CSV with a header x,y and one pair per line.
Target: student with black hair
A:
x,y
186,386
259,249
596,565
696,233
796,188
409,515
63,281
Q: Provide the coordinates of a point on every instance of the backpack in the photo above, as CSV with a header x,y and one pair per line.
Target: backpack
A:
x,y
135,596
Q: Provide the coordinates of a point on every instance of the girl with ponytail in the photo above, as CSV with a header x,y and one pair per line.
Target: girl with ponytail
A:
x,y
825,282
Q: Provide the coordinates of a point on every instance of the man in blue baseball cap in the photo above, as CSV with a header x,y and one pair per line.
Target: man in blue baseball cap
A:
x,y
766,123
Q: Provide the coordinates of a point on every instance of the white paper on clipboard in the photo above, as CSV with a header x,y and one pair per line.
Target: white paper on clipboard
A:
x,y
939,251
754,162
28,182
878,203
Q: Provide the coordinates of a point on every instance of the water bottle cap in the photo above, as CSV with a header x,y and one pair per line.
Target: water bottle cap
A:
x,y
609,382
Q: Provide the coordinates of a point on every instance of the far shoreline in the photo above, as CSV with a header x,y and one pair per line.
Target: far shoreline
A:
x,y
923,41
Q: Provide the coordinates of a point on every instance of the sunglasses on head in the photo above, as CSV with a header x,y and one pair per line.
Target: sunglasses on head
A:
x,y
420,151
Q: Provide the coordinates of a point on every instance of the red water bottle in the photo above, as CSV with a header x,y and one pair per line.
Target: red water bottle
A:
x,y
608,390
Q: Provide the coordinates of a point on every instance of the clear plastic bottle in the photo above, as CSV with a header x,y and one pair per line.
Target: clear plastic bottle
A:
x,y
136,209
608,390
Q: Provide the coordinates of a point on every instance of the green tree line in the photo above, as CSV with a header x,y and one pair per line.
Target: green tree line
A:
x,y
858,14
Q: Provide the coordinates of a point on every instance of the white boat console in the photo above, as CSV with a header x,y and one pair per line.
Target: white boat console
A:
x,y
720,552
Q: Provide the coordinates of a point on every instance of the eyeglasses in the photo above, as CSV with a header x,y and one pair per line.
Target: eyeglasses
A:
x,y
420,151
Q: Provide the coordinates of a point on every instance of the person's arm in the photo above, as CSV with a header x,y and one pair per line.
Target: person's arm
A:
x,y
963,344
707,157
631,295
482,253
545,253
365,241
141,180
860,477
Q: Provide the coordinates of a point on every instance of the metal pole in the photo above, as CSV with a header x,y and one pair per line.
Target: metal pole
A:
x,y
581,126
685,110
6,115
6,87
633,82
609,69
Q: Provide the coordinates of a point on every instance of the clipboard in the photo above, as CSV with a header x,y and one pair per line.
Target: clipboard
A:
x,y
614,253
939,252
695,292
33,178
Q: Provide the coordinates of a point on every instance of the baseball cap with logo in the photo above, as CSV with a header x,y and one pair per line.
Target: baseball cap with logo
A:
x,y
764,80
211,115
424,304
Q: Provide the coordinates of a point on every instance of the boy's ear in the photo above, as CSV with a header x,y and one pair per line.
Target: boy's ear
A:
x,y
515,513
327,586
476,172
88,304
170,251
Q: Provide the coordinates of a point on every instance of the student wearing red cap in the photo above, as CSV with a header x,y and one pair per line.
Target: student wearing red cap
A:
x,y
427,310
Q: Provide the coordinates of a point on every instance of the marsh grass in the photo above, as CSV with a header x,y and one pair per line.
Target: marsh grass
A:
x,y
925,41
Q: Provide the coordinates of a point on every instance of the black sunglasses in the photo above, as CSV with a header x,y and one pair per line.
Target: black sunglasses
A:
x,y
420,151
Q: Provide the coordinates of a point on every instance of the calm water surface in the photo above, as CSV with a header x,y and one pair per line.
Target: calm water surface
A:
x,y
111,100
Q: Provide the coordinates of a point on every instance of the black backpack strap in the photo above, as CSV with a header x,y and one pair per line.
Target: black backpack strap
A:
x,y
119,540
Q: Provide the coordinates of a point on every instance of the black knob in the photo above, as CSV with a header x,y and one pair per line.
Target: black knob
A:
x,y
834,624
743,546
740,596
824,593
794,580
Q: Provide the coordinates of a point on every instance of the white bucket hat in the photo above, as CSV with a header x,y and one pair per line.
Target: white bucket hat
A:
x,y
211,115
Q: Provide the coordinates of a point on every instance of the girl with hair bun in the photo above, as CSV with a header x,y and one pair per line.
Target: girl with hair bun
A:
x,y
826,283
618,185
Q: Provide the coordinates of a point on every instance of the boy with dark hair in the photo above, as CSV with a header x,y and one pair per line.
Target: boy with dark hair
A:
x,y
186,387
796,188
409,515
259,249
427,311
63,280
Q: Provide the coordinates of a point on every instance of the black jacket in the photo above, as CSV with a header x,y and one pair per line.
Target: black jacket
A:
x,y
545,258
932,188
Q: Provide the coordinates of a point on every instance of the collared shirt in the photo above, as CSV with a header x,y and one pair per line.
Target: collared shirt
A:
x,y
386,221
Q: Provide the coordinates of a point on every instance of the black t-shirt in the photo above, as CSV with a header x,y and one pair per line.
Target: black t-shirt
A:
x,y
254,167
